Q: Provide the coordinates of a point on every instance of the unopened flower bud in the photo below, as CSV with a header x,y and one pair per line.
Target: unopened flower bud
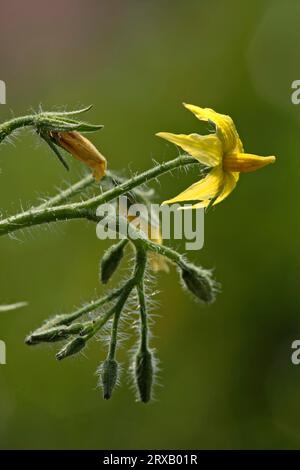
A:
x,y
109,377
53,334
73,347
111,260
81,149
199,282
144,375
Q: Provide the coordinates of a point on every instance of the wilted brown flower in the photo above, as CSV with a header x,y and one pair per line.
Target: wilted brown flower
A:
x,y
82,149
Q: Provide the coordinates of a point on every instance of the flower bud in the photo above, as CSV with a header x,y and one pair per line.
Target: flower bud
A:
x,y
109,377
111,260
53,334
199,282
73,347
144,375
81,149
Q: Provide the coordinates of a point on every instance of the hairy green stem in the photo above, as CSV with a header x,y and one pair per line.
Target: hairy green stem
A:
x,y
90,307
116,310
142,260
139,180
73,190
86,209
67,193
99,323
117,313
51,121
114,337
10,126
147,245
138,281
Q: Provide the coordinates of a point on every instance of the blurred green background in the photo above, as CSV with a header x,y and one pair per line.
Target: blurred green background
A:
x,y
228,381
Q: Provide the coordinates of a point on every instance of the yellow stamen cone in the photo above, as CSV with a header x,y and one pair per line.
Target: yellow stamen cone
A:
x,y
245,162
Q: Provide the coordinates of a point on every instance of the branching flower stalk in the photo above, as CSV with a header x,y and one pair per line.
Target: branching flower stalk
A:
x,y
80,326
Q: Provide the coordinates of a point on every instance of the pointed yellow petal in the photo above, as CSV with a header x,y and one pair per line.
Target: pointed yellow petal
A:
x,y
245,162
229,184
204,189
230,180
206,149
225,127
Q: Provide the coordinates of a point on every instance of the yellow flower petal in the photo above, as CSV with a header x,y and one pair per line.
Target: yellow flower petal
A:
x,y
206,149
225,127
245,162
203,190
229,183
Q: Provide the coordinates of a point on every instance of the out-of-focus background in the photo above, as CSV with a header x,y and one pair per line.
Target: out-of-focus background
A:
x,y
228,380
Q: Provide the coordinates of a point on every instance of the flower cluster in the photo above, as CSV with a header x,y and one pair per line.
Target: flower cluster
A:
x,y
222,157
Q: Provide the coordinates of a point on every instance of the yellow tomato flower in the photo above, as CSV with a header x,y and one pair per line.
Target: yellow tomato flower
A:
x,y
222,151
